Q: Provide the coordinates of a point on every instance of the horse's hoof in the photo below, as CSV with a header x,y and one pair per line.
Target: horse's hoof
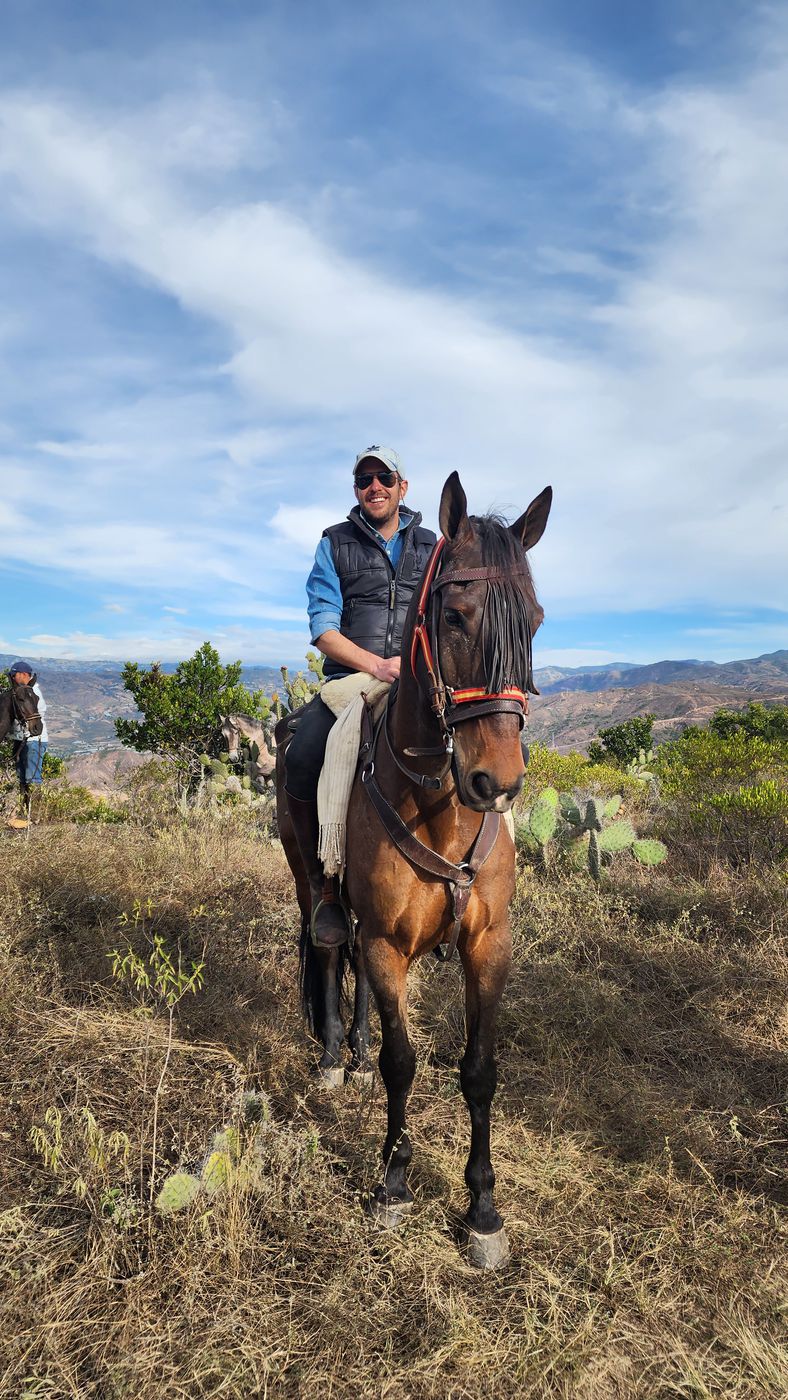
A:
x,y
389,1215
487,1251
333,1078
361,1078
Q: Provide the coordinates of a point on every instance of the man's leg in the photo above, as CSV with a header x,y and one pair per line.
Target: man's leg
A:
x,y
303,763
34,774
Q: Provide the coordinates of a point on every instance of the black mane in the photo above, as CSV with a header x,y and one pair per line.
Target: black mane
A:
x,y
511,612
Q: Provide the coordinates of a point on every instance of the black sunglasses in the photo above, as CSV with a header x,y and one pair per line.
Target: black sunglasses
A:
x,y
365,479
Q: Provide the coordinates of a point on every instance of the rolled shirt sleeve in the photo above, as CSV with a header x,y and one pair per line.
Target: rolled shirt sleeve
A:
x,y
324,595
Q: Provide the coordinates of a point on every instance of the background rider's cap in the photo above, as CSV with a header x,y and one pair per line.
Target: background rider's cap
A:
x,y
386,455
22,666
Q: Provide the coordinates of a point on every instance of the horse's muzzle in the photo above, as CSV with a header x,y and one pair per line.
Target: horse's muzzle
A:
x,y
482,793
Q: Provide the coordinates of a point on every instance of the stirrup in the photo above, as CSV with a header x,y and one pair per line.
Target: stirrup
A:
x,y
336,901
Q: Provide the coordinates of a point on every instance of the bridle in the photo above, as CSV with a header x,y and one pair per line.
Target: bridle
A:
x,y
450,706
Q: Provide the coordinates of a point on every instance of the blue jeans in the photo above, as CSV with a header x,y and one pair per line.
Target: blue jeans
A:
x,y
29,761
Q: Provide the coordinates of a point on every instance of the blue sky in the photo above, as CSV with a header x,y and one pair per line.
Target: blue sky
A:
x,y
532,242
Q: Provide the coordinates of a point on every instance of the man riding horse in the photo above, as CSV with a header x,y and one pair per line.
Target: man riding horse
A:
x,y
365,572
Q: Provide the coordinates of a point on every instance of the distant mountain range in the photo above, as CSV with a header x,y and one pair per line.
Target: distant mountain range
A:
x,y
84,698
768,670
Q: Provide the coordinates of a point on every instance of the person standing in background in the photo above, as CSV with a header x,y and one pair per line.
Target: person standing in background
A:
x,y
28,749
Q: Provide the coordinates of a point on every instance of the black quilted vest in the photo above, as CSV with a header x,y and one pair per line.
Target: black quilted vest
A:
x,y
375,598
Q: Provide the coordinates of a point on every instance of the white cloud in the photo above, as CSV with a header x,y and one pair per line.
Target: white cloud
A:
x,y
660,422
253,644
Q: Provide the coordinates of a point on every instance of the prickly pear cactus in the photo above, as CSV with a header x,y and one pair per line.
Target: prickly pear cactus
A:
x,y
593,855
570,810
216,1172
543,818
619,836
178,1192
649,852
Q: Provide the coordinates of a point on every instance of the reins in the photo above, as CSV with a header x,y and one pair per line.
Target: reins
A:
x,y
450,706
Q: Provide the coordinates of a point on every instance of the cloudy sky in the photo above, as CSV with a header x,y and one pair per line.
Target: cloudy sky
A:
x,y
536,242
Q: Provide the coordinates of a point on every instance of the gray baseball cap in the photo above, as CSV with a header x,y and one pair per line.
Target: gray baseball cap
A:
x,y
386,455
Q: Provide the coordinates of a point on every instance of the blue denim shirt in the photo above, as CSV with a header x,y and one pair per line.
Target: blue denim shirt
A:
x,y
324,595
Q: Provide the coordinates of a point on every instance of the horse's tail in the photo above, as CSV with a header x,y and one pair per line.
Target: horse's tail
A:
x,y
310,979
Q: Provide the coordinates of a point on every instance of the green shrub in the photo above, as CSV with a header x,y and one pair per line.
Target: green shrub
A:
x,y
726,795
568,771
621,743
67,803
757,721
701,763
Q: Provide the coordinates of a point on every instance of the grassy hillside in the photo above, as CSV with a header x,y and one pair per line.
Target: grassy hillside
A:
x,y
639,1139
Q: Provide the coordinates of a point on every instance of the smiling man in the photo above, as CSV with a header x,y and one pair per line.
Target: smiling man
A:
x,y
365,573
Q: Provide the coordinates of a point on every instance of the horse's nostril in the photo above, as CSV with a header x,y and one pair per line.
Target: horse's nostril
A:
x,y
481,785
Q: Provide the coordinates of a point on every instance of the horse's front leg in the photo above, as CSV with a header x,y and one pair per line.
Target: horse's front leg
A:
x,y
387,970
486,962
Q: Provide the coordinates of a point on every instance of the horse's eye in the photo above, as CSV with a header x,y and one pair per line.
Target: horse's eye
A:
x,y
453,618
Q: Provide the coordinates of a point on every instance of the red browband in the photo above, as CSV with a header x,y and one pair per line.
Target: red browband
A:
x,y
421,639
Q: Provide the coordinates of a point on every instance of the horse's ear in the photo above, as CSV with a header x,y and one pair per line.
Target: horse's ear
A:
x,y
530,527
453,513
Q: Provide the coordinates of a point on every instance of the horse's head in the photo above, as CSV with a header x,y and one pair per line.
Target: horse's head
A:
x,y
21,705
230,734
484,614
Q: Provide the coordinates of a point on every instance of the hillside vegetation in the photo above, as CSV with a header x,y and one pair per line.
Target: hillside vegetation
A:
x,y
639,1130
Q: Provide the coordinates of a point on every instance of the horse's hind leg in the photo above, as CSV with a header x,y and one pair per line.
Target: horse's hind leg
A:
x,y
486,964
358,1038
387,970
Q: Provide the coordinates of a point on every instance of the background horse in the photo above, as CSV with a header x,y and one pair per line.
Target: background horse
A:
x,y
233,730
433,862
19,702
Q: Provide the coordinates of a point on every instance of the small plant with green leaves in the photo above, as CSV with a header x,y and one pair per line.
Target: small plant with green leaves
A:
x,y
85,1158
161,981
621,743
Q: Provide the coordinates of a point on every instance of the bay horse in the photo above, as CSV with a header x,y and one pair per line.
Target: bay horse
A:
x,y
429,859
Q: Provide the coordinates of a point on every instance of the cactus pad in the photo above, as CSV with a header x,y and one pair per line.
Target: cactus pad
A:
x,y
649,852
616,837
569,809
544,817
216,1172
178,1192
593,855
613,806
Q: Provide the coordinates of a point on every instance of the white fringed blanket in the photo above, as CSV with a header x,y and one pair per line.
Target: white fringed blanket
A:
x,y
345,697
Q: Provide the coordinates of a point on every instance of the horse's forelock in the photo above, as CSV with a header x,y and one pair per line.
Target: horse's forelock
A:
x,y
511,611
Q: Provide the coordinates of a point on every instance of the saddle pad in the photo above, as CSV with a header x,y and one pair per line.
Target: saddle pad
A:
x,y
345,697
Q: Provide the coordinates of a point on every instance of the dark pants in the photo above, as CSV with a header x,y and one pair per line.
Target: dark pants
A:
x,y
306,751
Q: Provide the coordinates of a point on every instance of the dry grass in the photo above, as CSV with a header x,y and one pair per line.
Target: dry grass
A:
x,y
639,1137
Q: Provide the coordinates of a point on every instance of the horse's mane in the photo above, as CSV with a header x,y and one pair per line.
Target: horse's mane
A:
x,y
511,612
